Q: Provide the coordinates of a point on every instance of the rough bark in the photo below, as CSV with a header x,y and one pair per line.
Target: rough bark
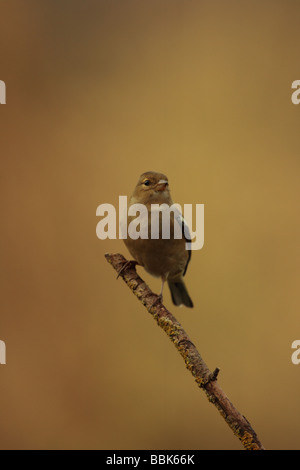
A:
x,y
205,379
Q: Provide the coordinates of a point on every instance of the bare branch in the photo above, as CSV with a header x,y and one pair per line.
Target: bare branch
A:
x,y
204,378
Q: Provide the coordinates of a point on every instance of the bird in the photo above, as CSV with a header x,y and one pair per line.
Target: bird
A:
x,y
166,258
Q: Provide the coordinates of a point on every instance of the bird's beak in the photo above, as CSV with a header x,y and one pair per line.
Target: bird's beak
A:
x,y
161,185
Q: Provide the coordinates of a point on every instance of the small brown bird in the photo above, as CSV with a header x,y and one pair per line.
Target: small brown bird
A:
x,y
164,258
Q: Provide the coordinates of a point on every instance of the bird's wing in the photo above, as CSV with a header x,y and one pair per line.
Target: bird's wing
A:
x,y
186,234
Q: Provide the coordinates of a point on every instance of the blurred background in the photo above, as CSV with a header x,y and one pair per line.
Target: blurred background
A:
x,y
99,91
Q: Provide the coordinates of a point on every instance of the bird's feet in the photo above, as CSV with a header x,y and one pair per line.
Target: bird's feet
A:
x,y
132,263
158,300
160,296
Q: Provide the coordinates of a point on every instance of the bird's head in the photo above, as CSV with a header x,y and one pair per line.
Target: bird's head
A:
x,y
152,188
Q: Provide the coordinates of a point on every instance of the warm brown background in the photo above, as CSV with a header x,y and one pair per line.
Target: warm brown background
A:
x,y
97,93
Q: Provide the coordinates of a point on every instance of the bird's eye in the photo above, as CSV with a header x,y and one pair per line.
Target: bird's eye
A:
x,y
146,182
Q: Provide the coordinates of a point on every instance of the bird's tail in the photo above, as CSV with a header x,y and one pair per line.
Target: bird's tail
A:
x,y
179,293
